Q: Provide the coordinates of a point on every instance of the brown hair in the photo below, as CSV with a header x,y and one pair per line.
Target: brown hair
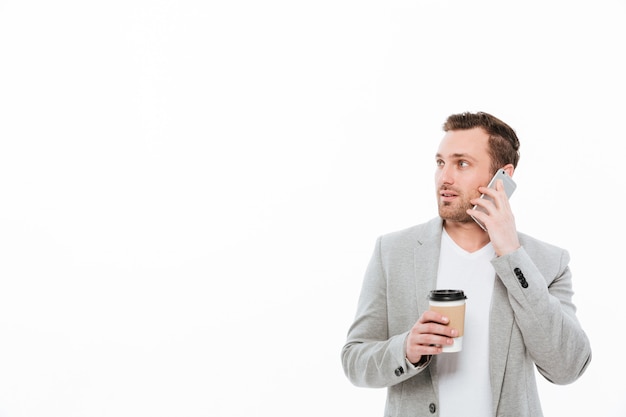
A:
x,y
503,141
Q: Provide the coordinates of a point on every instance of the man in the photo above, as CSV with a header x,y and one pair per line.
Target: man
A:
x,y
519,311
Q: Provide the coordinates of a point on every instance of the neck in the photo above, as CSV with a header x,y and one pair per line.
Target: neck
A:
x,y
468,235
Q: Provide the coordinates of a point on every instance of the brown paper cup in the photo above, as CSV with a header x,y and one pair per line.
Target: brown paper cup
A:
x,y
450,303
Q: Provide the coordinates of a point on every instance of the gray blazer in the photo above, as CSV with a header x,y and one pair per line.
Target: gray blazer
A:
x,y
532,323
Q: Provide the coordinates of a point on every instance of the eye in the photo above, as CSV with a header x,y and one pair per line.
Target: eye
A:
x,y
463,164
439,162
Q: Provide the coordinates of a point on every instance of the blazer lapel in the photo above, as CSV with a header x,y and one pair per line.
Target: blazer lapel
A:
x,y
500,327
426,256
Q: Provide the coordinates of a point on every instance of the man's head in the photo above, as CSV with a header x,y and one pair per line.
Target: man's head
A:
x,y
503,141
474,147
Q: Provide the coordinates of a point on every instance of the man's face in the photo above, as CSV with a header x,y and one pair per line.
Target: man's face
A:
x,y
463,165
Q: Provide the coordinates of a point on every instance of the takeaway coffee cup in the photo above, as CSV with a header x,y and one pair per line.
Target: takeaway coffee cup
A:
x,y
450,303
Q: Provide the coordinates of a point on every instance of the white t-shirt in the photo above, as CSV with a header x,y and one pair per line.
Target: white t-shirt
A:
x,y
464,386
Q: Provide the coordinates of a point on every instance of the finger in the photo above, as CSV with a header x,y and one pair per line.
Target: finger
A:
x,y
494,191
426,343
437,330
484,204
428,350
416,352
430,316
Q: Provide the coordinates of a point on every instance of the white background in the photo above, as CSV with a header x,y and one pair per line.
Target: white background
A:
x,y
190,191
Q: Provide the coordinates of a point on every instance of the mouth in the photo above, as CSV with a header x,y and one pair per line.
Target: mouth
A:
x,y
447,195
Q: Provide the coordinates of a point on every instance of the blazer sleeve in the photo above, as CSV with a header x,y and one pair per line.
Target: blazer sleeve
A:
x,y
539,286
371,357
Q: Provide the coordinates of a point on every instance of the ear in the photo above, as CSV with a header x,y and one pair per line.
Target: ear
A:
x,y
509,168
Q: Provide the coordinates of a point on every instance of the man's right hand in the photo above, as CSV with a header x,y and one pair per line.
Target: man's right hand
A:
x,y
428,335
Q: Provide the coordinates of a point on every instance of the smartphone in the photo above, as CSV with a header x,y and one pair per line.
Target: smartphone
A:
x,y
509,187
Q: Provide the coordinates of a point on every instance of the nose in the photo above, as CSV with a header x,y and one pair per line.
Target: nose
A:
x,y
445,176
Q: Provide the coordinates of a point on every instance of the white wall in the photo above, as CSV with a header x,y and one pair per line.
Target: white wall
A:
x,y
191,190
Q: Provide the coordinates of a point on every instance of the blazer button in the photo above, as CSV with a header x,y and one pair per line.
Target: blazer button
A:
x,y
399,371
432,407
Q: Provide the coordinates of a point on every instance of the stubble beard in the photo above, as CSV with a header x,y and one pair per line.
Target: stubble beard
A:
x,y
455,212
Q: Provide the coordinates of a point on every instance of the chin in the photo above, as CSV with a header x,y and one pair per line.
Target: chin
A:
x,y
455,215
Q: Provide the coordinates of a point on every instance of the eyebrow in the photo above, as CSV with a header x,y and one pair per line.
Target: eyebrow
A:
x,y
457,156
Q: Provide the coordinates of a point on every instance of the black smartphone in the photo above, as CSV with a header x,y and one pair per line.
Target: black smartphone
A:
x,y
509,187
